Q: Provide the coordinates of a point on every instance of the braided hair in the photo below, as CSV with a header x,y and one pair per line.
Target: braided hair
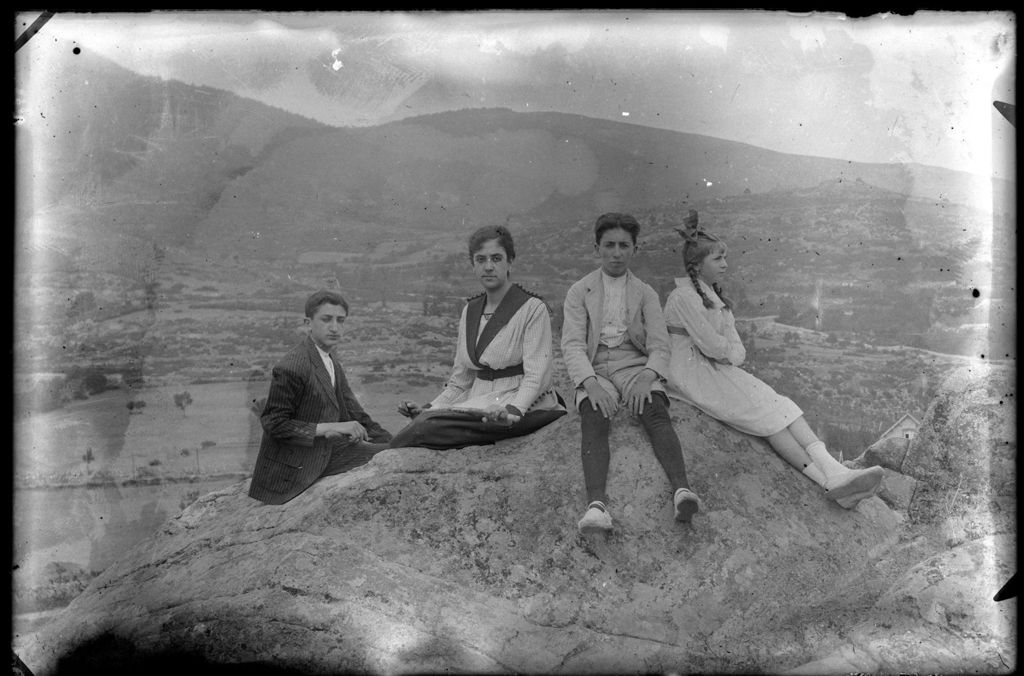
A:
x,y
698,245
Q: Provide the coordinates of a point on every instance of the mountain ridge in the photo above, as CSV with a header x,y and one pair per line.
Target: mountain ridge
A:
x,y
479,166
187,150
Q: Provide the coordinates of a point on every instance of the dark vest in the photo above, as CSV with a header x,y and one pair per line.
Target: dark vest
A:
x,y
514,299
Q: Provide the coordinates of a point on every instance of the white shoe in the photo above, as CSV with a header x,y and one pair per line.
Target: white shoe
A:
x,y
596,520
687,504
854,485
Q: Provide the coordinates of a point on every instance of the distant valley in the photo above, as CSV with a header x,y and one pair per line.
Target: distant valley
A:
x,y
180,228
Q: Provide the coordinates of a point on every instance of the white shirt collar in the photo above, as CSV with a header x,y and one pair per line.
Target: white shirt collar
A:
x,y
614,281
328,362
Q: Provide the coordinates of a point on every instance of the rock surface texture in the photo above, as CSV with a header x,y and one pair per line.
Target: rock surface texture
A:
x,y
469,560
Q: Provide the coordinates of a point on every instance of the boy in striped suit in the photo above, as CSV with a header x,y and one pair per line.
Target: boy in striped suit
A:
x,y
313,426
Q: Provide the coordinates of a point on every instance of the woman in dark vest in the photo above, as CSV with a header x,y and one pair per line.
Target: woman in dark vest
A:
x,y
500,385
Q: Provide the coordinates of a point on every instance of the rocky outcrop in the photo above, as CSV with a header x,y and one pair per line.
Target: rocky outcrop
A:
x,y
57,584
888,453
960,469
940,617
965,454
468,560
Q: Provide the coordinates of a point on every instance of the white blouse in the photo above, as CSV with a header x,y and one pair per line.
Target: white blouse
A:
x,y
525,339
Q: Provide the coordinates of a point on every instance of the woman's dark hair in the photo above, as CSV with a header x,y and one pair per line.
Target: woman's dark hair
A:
x,y
322,297
611,221
489,232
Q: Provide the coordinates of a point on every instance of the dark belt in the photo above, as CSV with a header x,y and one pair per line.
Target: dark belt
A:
x,y
493,374
678,330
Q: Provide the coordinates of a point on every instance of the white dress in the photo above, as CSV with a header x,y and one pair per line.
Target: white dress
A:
x,y
723,391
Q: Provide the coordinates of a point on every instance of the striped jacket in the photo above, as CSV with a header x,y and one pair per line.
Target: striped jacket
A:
x,y
291,456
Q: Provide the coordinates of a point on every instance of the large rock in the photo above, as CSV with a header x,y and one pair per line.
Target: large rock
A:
x,y
889,453
939,617
965,454
58,583
897,490
468,560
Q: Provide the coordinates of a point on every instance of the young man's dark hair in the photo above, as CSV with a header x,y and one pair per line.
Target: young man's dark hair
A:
x,y
322,296
609,221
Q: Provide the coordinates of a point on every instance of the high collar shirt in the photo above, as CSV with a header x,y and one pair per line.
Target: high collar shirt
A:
x,y
614,330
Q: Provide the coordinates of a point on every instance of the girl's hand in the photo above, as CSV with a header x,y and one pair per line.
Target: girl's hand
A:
x,y
499,414
409,409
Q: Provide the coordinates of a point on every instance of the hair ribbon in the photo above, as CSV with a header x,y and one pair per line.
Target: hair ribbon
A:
x,y
690,230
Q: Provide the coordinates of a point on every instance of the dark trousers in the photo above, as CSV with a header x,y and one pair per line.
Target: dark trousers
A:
x,y
350,456
596,454
443,429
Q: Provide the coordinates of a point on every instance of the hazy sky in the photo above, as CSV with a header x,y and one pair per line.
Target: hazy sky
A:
x,y
878,89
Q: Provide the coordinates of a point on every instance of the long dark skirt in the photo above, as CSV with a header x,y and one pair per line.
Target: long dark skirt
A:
x,y
443,429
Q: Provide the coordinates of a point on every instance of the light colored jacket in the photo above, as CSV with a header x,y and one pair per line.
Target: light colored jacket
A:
x,y
584,316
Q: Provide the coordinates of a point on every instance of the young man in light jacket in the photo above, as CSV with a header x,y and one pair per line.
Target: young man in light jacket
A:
x,y
616,349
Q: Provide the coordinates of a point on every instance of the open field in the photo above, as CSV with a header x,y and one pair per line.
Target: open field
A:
x,y
217,433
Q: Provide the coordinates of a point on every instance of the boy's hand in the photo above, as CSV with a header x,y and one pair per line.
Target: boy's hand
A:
x,y
351,431
639,391
599,398
354,431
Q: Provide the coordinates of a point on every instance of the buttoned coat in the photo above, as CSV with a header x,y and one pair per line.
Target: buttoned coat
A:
x,y
291,456
583,317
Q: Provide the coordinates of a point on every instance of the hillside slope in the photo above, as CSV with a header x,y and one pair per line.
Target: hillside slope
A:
x,y
111,163
459,169
468,560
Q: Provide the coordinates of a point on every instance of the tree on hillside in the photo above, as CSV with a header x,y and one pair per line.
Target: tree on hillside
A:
x,y
88,457
183,400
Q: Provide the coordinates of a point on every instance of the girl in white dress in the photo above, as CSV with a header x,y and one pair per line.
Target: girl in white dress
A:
x,y
705,371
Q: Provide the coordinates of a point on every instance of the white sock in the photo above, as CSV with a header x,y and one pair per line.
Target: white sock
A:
x,y
824,461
